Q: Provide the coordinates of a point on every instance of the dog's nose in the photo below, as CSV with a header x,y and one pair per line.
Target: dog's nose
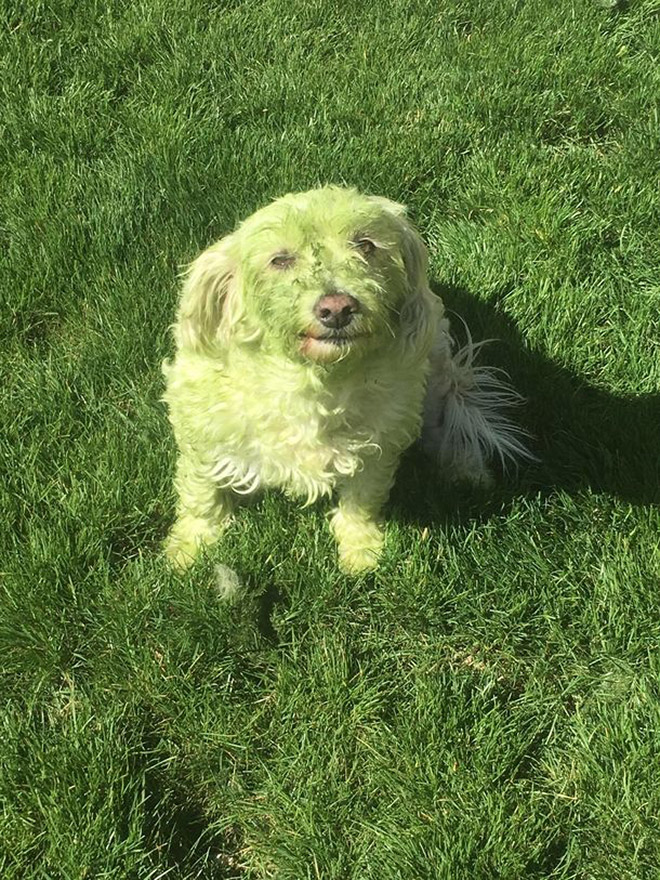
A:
x,y
336,310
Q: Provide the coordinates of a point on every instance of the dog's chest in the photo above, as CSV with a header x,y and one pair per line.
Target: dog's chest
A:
x,y
305,443
284,432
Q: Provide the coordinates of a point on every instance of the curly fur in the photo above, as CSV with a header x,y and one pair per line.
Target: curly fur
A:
x,y
263,394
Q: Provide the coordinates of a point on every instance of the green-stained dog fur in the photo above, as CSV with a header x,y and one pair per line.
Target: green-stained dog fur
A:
x,y
304,345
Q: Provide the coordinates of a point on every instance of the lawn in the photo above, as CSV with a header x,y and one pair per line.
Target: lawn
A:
x,y
486,705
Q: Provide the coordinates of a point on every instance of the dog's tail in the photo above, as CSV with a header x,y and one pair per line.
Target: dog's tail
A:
x,y
465,412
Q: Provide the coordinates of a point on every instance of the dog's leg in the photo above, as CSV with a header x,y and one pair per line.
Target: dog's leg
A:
x,y
203,511
355,521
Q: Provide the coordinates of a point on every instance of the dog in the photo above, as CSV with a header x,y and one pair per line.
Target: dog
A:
x,y
310,354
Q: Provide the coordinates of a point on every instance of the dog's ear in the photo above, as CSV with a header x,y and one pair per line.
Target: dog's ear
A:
x,y
415,257
421,309
209,297
418,320
413,249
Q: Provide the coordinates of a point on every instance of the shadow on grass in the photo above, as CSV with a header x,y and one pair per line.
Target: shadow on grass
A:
x,y
585,437
178,833
265,609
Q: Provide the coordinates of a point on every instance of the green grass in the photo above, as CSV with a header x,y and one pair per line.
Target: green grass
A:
x,y
487,704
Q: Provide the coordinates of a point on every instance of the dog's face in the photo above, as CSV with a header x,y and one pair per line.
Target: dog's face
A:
x,y
319,276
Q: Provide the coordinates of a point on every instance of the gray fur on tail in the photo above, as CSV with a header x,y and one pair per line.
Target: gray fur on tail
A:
x,y
465,421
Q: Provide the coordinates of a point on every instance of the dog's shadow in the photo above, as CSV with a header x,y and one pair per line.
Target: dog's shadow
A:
x,y
584,437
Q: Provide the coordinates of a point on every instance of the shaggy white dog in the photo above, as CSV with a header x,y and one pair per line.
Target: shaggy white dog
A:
x,y
309,352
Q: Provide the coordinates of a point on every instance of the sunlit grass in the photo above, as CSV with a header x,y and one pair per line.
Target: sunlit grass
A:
x,y
486,704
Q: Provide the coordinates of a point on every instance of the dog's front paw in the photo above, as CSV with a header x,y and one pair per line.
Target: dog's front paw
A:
x,y
359,541
356,560
189,534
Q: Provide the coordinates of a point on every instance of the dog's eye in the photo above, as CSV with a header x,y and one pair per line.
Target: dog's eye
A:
x,y
365,246
282,261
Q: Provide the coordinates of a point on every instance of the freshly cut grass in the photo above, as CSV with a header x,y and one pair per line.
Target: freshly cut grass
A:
x,y
486,704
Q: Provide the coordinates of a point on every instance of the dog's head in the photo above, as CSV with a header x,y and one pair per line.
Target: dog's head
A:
x,y
318,276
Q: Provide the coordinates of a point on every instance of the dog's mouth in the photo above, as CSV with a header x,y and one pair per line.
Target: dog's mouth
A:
x,y
328,346
336,338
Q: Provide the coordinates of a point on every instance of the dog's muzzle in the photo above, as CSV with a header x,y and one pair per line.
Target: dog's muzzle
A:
x,y
336,310
335,332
